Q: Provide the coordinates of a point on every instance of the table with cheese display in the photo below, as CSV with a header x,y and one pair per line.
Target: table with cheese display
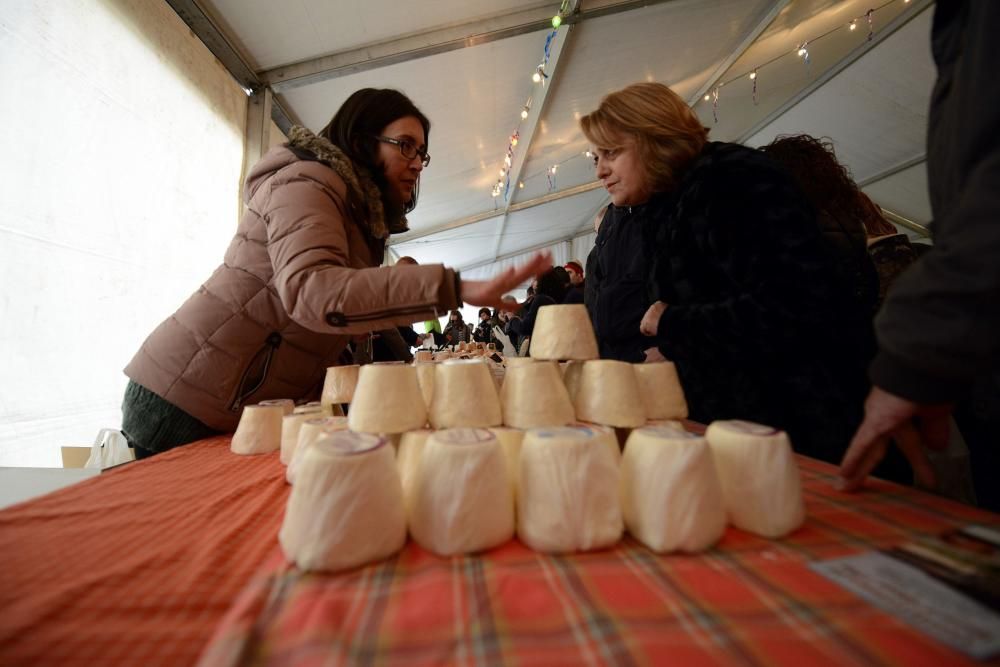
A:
x,y
176,558
207,553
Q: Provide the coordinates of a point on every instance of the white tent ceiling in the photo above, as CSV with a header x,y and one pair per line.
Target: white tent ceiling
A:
x,y
468,65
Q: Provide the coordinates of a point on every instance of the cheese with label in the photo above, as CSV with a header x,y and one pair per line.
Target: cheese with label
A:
x,y
670,491
459,497
567,496
759,476
346,508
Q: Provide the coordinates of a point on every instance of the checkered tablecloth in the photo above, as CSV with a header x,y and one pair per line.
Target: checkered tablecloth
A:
x,y
176,556
748,601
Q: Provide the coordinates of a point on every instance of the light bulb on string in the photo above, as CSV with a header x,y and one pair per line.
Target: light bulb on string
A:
x,y
503,172
524,113
506,160
521,185
753,77
707,97
556,21
854,25
804,52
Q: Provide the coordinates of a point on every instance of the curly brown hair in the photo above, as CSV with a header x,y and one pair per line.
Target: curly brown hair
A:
x,y
812,163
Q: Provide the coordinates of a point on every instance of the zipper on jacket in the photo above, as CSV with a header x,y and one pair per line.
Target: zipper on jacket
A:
x,y
272,343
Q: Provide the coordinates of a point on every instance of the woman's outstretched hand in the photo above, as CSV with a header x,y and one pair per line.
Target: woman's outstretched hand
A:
x,y
490,293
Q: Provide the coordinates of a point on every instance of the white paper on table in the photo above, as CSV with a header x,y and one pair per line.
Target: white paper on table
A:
x,y
919,600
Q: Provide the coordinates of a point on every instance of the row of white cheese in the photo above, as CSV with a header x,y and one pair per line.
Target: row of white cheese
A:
x,y
563,489
395,398
533,393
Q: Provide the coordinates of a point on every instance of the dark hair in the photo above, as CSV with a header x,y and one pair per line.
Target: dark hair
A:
x,y
554,283
456,312
485,310
812,164
364,115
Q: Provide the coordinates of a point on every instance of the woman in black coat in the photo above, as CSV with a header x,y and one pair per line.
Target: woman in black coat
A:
x,y
745,295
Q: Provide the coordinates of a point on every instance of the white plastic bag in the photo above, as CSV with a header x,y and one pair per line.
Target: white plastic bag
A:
x,y
110,448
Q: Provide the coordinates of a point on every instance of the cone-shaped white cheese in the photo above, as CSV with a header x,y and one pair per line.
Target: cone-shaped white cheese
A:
x,y
662,395
425,378
533,395
460,498
290,425
311,408
563,332
309,432
609,394
510,441
567,492
759,476
411,447
287,405
671,497
259,430
387,400
464,396
339,385
346,508
572,372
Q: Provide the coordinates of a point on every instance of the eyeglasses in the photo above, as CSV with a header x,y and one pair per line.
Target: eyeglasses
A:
x,y
407,149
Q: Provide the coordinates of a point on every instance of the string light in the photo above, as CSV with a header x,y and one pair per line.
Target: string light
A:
x,y
871,26
556,21
753,77
854,25
524,113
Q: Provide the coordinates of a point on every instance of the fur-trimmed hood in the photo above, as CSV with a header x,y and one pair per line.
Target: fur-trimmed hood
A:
x,y
357,178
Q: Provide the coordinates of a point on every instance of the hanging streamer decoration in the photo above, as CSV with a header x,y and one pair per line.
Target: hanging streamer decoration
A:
x,y
715,104
871,27
753,77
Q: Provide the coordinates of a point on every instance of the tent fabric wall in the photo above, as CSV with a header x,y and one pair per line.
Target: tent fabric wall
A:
x,y
124,139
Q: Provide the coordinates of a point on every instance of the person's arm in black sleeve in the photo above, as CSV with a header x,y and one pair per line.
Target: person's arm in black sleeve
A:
x,y
940,326
410,336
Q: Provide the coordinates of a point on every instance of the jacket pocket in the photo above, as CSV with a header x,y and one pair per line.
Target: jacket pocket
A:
x,y
255,373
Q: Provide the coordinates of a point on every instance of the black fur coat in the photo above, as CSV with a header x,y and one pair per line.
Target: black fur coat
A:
x,y
759,320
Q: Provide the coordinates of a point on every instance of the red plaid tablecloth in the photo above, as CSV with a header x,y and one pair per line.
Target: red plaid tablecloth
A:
x,y
140,565
748,601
